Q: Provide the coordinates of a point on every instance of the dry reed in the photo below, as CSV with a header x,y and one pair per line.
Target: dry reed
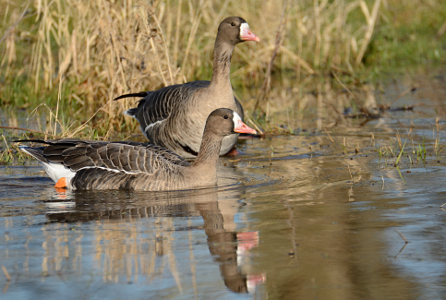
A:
x,y
101,49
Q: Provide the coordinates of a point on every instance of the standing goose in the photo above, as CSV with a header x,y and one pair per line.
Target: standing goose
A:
x,y
174,116
85,165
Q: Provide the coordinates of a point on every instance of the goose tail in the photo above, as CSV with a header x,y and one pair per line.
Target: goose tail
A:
x,y
140,94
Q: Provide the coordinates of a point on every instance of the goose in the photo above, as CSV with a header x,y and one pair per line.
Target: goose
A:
x,y
100,165
174,116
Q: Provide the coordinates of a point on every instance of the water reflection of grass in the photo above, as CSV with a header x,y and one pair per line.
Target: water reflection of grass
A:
x,y
79,56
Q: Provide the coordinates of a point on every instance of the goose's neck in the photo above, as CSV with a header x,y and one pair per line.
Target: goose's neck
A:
x,y
209,153
222,63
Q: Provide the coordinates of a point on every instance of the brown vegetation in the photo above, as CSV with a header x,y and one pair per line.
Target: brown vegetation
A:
x,y
97,50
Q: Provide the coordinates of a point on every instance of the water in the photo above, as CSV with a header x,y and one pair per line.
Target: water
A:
x,y
316,216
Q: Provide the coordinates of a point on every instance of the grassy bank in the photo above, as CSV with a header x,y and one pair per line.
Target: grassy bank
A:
x,y
74,57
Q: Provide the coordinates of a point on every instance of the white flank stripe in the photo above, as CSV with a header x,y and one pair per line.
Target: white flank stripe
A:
x,y
112,170
56,171
153,124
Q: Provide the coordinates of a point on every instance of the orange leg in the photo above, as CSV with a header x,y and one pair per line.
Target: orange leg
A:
x,y
232,153
61,183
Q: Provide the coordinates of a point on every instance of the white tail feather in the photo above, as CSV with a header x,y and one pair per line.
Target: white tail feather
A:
x,y
56,171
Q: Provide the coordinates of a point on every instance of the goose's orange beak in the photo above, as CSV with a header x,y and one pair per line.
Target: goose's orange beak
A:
x,y
250,36
241,127
246,34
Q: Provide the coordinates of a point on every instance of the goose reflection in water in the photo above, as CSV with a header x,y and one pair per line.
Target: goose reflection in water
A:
x,y
118,236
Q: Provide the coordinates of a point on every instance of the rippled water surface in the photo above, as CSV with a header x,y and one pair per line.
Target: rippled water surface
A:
x,y
322,215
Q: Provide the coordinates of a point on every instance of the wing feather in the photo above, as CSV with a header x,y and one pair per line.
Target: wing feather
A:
x,y
125,157
158,105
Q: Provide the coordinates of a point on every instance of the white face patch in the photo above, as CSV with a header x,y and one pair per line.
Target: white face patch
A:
x,y
244,29
236,118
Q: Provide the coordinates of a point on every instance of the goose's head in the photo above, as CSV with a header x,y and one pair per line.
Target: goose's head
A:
x,y
236,30
224,121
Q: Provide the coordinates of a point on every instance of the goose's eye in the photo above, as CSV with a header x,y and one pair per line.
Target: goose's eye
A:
x,y
226,116
233,24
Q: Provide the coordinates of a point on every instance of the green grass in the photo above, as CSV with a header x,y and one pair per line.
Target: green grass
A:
x,y
410,153
408,35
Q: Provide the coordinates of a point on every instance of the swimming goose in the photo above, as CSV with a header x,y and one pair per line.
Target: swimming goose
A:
x,y
174,116
88,165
